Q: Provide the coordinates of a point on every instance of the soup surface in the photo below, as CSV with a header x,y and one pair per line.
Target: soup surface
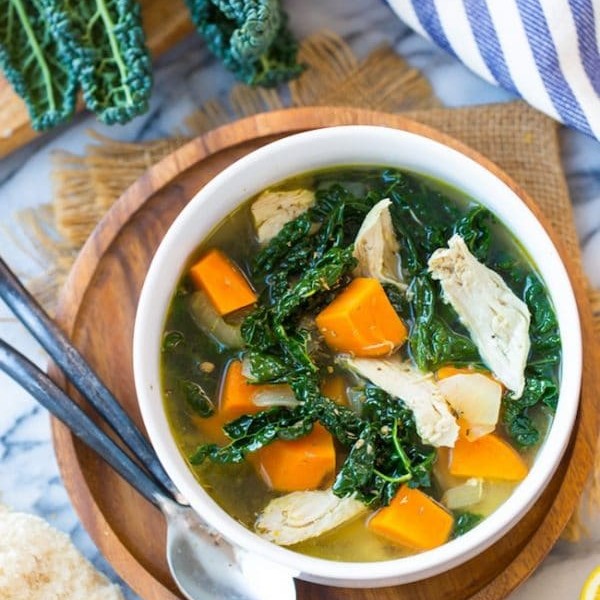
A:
x,y
360,363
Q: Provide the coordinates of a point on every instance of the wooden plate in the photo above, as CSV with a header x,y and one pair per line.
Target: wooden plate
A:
x,y
97,310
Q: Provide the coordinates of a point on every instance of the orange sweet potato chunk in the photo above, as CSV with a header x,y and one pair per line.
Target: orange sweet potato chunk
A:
x,y
296,465
489,457
236,393
413,519
223,282
334,388
235,400
362,321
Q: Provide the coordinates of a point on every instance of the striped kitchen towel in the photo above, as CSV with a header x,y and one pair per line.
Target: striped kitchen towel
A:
x,y
545,51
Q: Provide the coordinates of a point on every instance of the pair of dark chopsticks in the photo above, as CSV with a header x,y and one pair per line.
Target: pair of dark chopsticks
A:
x,y
150,479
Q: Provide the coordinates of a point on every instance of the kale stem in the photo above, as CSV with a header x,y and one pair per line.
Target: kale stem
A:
x,y
114,45
37,51
403,457
401,479
401,453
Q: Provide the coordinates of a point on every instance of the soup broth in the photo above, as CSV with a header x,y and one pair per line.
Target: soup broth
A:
x,y
199,351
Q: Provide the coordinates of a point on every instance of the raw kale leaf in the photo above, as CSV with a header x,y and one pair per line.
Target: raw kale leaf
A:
x,y
34,63
104,41
50,47
251,38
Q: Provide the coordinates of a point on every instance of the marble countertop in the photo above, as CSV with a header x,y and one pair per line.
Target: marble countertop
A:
x,y
185,78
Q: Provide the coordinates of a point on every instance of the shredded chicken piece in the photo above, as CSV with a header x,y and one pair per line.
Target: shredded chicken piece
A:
x,y
273,209
497,320
435,422
299,516
376,247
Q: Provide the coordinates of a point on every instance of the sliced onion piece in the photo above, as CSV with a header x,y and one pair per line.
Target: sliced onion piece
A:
x,y
212,323
275,395
476,400
464,495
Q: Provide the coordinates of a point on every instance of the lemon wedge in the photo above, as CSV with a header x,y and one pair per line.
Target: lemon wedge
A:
x,y
591,587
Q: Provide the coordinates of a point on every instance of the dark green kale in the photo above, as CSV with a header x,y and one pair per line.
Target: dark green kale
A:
x,y
336,215
541,385
387,453
424,222
250,433
383,447
263,367
34,63
474,228
289,237
104,42
250,37
197,398
171,340
464,521
48,48
433,343
422,218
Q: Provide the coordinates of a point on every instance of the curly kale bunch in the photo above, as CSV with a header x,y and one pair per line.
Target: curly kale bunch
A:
x,y
251,37
49,49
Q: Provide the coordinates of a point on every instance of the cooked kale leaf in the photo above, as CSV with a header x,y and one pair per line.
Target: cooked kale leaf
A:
x,y
464,521
433,343
387,453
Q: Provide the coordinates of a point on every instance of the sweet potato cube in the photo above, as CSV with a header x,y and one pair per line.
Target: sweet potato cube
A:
x,y
489,457
413,519
296,465
362,321
223,282
236,394
334,388
235,400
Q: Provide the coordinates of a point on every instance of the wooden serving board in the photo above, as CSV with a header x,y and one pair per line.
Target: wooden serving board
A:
x,y
97,310
165,23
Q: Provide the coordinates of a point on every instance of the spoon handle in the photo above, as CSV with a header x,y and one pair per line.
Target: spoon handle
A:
x,y
72,363
49,395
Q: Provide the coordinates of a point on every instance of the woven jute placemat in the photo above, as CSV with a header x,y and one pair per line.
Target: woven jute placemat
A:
x,y
521,140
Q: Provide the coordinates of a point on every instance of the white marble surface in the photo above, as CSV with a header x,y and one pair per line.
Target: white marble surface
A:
x,y
187,77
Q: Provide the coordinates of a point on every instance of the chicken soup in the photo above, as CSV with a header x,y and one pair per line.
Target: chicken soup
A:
x,y
360,364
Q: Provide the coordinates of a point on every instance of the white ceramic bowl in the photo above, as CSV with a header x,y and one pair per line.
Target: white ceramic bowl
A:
x,y
351,145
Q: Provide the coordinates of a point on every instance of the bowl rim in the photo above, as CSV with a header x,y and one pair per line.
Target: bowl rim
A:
x,y
401,570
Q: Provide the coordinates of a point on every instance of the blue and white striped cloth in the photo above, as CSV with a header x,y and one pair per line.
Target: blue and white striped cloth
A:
x,y
545,51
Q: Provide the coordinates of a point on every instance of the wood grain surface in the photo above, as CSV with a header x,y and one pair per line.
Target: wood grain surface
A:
x,y
97,310
165,23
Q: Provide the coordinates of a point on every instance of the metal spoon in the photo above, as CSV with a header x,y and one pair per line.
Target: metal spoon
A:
x,y
204,565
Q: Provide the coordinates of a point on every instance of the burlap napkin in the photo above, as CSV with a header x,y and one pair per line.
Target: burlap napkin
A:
x,y
519,139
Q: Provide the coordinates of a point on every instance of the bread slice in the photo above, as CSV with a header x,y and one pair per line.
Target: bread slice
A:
x,y
37,562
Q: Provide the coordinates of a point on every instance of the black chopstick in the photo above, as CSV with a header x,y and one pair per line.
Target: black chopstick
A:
x,y
49,395
80,374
